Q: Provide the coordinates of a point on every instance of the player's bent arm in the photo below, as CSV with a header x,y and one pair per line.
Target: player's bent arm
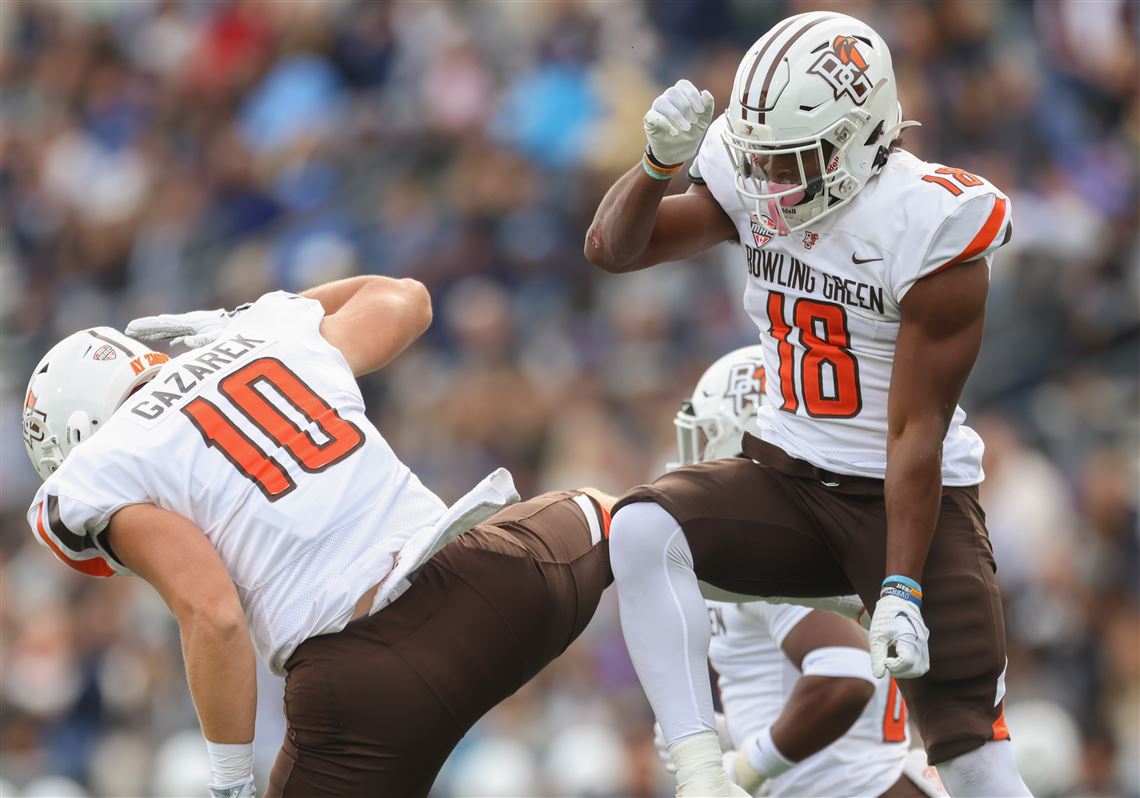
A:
x,y
940,333
173,555
822,706
636,226
371,319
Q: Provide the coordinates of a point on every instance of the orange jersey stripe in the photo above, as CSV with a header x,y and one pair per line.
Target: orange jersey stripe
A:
x,y
93,567
1001,731
605,521
983,239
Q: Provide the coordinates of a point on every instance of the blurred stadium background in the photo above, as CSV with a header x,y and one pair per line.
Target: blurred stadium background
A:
x,y
163,156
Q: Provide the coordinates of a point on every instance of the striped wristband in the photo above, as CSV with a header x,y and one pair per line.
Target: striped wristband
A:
x,y
656,169
902,587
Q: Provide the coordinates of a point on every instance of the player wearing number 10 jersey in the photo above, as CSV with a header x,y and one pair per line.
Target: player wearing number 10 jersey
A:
x,y
867,276
242,478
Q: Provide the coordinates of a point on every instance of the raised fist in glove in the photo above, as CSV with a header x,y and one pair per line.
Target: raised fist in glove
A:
x,y
677,121
898,637
193,329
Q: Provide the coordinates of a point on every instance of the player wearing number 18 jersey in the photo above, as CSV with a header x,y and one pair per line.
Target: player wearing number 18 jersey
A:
x,y
793,679
243,478
867,275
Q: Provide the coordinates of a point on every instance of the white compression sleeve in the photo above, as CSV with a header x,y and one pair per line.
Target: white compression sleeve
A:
x,y
663,617
983,772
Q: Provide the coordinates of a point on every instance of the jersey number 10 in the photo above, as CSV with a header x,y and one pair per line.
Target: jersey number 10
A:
x,y
245,393
831,392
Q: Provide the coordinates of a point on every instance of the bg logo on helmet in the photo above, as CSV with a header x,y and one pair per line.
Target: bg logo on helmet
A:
x,y
844,69
745,386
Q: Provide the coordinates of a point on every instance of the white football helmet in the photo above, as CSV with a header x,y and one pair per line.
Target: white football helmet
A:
x,y
76,387
723,407
818,86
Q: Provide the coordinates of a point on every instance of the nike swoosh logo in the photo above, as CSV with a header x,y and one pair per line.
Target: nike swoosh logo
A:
x,y
861,261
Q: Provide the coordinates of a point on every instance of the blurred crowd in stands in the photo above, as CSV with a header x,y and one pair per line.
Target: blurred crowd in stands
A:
x,y
165,156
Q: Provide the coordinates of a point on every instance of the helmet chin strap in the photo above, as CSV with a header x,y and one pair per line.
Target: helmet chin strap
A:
x,y
890,134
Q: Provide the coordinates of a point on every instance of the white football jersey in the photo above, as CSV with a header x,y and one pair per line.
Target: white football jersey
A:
x,y
756,680
826,302
262,441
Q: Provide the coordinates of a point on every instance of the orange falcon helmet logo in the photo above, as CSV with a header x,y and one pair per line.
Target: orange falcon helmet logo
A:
x,y
844,47
844,68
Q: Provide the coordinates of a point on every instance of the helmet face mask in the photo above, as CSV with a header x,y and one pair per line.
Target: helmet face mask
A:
x,y
696,435
76,388
821,184
723,407
818,88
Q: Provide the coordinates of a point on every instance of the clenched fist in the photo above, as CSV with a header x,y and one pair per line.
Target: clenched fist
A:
x,y
677,121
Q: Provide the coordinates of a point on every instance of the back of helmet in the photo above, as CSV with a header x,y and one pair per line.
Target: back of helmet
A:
x,y
76,387
722,408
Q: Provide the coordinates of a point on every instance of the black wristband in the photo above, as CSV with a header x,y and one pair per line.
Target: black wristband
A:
x,y
653,160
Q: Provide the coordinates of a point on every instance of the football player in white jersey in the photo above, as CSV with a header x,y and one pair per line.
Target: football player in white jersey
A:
x,y
867,277
798,676
243,480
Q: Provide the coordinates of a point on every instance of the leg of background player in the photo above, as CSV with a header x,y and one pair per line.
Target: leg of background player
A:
x,y
983,772
653,570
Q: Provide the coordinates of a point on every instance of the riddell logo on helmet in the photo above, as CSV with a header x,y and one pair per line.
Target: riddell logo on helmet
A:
x,y
844,69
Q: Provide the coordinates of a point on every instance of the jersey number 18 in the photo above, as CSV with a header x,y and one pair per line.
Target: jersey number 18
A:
x,y
829,373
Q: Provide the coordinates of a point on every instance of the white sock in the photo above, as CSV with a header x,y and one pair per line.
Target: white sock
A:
x,y
663,618
986,772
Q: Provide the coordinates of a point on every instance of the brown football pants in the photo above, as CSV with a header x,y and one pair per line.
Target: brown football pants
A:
x,y
375,709
767,524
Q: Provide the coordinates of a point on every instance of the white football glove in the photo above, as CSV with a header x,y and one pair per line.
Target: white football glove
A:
x,y
897,623
243,789
677,121
663,749
193,329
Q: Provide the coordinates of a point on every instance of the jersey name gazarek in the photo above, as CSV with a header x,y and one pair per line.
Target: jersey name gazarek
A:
x,y
261,440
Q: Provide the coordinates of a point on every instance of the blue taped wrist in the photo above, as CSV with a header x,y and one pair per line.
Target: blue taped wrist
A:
x,y
902,587
906,580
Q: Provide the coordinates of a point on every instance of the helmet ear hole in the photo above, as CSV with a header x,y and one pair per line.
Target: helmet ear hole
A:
x,y
79,428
